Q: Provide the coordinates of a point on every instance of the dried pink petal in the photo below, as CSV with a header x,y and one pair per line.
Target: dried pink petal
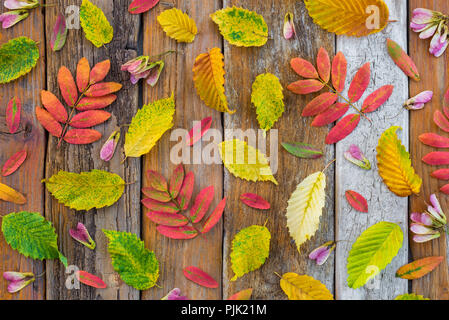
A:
x,y
175,294
108,150
289,26
81,235
18,280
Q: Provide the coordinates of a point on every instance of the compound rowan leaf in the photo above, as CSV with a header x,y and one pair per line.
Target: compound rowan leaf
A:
x,y
82,136
305,208
48,122
377,98
8,194
343,128
82,74
319,104
102,89
140,6
441,121
437,158
303,150
201,204
178,25
242,295
13,163
332,114
96,26
13,112
410,296
304,68
349,17
100,71
54,106
67,86
250,249
434,140
305,86
167,219
339,71
89,119
241,27
148,126
395,166
215,216
268,98
372,252
360,83
402,60
200,277
59,34
87,190
324,65
418,268
17,58
87,103
176,180
178,233
245,161
255,201
357,201
31,235
303,287
199,130
208,77
90,279
137,266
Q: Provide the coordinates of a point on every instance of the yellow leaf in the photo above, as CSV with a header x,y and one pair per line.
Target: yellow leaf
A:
x,y
350,17
305,208
245,162
148,126
208,76
303,287
395,166
10,195
178,25
96,27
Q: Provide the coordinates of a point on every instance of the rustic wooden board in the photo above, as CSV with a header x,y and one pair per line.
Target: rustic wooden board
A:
x,y
436,284
30,137
383,205
242,66
123,216
203,252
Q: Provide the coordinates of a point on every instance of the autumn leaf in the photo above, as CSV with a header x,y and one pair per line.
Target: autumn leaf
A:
x,y
89,119
418,268
255,201
343,128
332,114
242,295
442,174
82,136
176,180
319,104
185,194
402,60
48,122
67,86
13,163
59,34
377,98
178,25
100,71
441,121
357,201
17,57
54,106
339,71
102,89
82,74
199,130
324,65
87,103
434,140
214,217
157,206
140,6
303,287
96,26
178,233
167,219
13,113
200,277
303,150
90,279
304,68
360,83
201,204
305,86
8,194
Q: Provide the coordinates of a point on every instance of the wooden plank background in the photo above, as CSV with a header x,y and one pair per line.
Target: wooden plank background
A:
x,y
136,35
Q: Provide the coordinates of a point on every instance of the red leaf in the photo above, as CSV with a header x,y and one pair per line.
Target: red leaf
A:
x,y
176,181
158,206
95,103
89,119
140,6
242,295
214,217
436,158
157,195
82,74
48,122
331,115
357,201
324,65
200,277
305,86
102,89
446,103
13,111
402,60
304,68
167,219
255,201
156,181
441,121
377,98
442,174
82,136
339,71
90,279
178,233
434,140
13,163
67,86
100,71
319,104
343,128
445,189
201,204
185,194
54,106
360,83
419,268
199,130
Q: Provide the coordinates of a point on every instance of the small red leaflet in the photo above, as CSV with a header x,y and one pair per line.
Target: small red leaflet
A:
x,y
90,279
254,201
357,201
13,163
200,277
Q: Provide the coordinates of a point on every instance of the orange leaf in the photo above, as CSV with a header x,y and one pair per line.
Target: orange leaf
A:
x,y
48,122
100,71
343,128
89,119
67,86
402,60
10,195
339,71
377,98
305,86
82,74
434,140
324,65
90,279
360,83
418,268
54,106
102,89
304,68
95,103
319,104
242,295
331,115
82,136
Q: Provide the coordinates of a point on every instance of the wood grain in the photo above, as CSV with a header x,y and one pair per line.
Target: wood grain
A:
x,y
242,66
436,284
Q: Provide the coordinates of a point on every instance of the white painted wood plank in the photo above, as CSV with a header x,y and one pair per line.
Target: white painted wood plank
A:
x,y
383,205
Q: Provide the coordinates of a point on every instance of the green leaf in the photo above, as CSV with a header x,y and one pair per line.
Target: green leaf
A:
x,y
31,235
17,58
410,296
96,27
372,252
250,249
268,98
148,126
136,265
87,190
241,27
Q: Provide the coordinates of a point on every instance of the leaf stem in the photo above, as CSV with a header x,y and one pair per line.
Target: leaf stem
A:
x,y
278,274
161,55
328,165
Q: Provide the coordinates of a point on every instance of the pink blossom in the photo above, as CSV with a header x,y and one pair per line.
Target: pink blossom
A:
x,y
10,18
108,150
418,102
322,253
427,225
81,235
21,4
175,294
355,155
18,280
289,26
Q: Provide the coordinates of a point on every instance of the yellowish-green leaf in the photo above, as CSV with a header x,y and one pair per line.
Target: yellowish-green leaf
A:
x,y
305,208
395,166
245,161
87,190
268,98
372,252
303,287
410,296
241,27
178,25
250,249
96,26
148,126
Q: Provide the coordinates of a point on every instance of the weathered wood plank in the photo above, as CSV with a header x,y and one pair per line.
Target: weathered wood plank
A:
x,y
436,284
203,252
30,137
124,215
383,205
242,67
